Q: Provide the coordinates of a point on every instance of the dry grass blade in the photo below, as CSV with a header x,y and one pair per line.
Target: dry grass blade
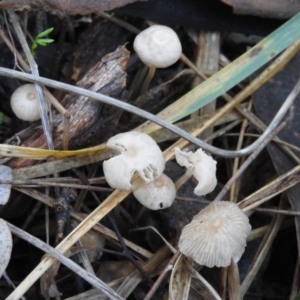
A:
x,y
162,276
205,283
272,189
61,165
180,280
234,287
131,282
34,70
40,154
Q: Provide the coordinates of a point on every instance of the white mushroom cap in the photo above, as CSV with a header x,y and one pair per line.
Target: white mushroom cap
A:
x,y
157,194
203,168
139,153
5,246
216,235
5,189
158,46
24,103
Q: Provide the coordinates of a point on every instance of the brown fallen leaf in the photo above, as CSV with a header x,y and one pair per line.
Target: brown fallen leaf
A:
x,y
63,8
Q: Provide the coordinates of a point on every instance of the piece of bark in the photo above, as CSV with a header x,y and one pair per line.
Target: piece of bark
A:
x,y
96,41
277,9
91,121
66,7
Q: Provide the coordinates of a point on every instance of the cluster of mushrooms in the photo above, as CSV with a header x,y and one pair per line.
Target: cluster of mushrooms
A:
x,y
217,234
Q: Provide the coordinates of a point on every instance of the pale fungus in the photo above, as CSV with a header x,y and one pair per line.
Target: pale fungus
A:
x,y
157,194
6,175
5,246
158,47
201,166
216,235
139,153
24,103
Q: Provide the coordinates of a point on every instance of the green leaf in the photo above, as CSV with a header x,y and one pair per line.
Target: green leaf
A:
x,y
47,41
41,43
44,42
44,33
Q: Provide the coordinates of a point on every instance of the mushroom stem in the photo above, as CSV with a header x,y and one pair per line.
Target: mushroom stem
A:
x,y
184,178
148,79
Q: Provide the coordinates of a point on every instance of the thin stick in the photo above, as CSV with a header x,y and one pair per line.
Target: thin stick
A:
x,y
34,70
49,96
142,113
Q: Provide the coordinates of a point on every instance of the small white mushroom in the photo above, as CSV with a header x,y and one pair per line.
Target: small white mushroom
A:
x,y
201,166
157,194
216,235
138,153
158,47
5,188
5,246
24,103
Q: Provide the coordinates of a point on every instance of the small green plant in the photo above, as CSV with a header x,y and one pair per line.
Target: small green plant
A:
x,y
39,41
